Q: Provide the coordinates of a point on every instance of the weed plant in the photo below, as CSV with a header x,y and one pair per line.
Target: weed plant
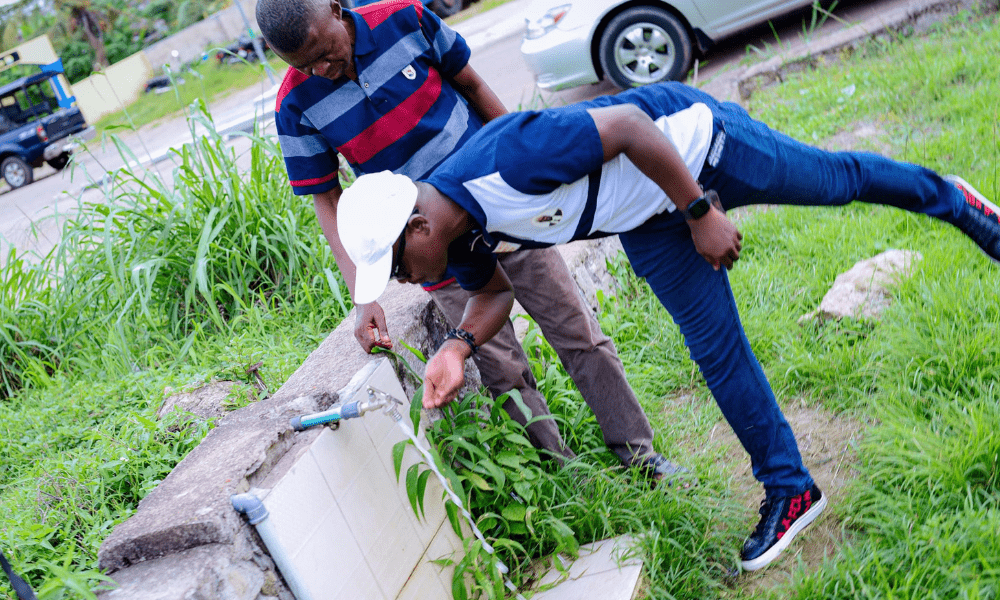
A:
x,y
94,332
920,519
157,285
529,506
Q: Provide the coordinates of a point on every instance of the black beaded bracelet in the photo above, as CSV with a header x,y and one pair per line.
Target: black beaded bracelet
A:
x,y
465,336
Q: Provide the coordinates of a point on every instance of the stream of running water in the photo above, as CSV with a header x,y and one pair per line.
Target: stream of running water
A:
x,y
407,428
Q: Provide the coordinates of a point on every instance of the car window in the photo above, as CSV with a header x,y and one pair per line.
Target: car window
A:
x,y
36,100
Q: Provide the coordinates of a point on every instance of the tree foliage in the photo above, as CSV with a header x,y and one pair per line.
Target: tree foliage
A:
x,y
92,34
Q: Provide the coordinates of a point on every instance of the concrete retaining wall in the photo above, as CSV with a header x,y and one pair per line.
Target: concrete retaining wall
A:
x,y
114,88
186,542
121,83
218,30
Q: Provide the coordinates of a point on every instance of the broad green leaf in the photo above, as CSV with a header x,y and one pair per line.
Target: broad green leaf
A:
x,y
412,475
421,488
454,517
477,481
518,439
510,459
416,404
417,353
493,470
514,511
398,450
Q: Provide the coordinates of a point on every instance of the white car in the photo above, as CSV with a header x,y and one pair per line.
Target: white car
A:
x,y
574,42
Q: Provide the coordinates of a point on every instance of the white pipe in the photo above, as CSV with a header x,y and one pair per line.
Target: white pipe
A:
x,y
251,506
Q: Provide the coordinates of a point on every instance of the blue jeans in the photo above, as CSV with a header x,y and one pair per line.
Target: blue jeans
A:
x,y
759,165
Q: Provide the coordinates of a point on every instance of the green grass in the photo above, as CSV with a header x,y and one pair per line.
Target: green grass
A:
x,y
476,9
921,517
153,286
169,287
208,81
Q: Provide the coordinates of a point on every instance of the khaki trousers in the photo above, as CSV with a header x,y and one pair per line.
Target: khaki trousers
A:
x,y
544,287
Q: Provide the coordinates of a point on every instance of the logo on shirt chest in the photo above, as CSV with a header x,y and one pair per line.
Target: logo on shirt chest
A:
x,y
410,73
549,218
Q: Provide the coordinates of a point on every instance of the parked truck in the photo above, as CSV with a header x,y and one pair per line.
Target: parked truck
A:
x,y
35,129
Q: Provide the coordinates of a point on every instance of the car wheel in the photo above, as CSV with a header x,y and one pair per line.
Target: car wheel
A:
x,y
442,9
17,172
59,163
645,45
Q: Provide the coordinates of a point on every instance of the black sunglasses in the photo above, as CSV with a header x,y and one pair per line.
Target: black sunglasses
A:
x,y
398,272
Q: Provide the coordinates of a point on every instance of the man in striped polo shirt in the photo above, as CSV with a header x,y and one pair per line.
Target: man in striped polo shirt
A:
x,y
389,87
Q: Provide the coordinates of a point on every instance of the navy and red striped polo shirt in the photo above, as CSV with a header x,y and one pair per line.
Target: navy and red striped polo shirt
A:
x,y
402,114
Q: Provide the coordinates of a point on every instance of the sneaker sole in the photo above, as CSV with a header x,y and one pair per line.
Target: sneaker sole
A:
x,y
775,551
953,179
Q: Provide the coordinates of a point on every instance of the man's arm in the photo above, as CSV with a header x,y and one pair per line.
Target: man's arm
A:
x,y
480,96
485,313
626,129
370,328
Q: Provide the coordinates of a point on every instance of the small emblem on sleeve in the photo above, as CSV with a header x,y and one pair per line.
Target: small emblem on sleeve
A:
x,y
549,218
410,73
505,246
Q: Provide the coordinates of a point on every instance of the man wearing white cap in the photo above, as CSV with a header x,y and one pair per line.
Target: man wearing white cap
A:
x,y
630,165
388,86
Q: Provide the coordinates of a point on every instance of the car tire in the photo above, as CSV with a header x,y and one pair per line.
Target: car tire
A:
x,y
443,10
59,163
16,172
645,45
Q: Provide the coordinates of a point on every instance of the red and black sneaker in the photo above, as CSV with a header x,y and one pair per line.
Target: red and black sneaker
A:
x,y
981,219
781,519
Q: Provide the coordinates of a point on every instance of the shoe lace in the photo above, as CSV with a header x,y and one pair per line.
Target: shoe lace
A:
x,y
982,229
766,506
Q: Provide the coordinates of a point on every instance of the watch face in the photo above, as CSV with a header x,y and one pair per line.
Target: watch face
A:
x,y
699,208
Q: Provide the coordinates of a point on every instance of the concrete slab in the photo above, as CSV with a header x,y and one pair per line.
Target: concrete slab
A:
x,y
604,570
351,532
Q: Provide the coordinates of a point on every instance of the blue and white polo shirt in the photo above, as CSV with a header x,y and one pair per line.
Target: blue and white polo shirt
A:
x,y
402,114
536,179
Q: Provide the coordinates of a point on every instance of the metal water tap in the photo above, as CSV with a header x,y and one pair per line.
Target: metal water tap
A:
x,y
376,399
390,403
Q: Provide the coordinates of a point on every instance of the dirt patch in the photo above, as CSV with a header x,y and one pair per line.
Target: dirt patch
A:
x,y
861,136
828,444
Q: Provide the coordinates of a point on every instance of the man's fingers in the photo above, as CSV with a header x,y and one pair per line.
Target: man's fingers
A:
x,y
430,391
381,330
380,337
364,339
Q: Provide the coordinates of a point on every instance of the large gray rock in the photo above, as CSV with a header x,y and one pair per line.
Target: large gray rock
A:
x,y
206,401
211,572
863,291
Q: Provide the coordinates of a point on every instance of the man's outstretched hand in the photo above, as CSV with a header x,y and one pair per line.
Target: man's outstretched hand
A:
x,y
370,329
445,374
717,239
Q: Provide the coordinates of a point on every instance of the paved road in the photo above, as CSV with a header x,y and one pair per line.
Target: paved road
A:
x,y
495,40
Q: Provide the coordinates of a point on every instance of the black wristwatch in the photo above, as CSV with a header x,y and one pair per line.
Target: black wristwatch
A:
x,y
465,336
700,207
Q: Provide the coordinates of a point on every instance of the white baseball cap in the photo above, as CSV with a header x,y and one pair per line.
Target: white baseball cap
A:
x,y
371,214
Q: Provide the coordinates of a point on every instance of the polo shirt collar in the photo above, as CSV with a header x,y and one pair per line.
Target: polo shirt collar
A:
x,y
364,41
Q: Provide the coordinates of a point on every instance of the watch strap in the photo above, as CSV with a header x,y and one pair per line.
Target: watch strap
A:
x,y
701,206
465,336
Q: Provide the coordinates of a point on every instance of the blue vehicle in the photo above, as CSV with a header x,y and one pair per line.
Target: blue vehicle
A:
x,y
442,8
35,127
